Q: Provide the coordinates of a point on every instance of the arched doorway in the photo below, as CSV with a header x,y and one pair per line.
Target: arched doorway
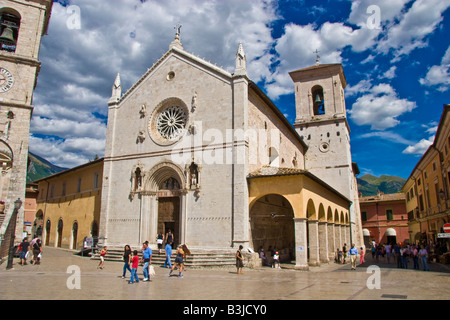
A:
x,y
48,225
272,226
59,233
74,235
38,224
391,236
163,199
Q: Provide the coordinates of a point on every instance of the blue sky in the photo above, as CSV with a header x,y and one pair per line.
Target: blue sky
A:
x,y
395,55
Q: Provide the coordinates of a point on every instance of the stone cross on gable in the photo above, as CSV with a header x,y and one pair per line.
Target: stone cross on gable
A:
x,y
178,28
317,56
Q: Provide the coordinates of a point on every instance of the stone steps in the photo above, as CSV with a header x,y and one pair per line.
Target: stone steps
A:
x,y
196,259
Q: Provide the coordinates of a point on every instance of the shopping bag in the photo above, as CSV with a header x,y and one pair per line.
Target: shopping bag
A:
x,y
152,271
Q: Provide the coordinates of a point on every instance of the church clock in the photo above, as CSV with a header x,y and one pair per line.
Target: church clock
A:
x,y
6,80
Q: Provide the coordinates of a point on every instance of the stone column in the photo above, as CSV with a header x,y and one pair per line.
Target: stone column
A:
x,y
149,218
323,242
343,240
313,235
337,237
347,235
331,241
301,244
183,217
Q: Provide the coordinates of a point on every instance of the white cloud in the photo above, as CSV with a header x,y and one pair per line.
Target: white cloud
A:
x,y
420,147
67,153
413,27
387,135
66,128
379,107
439,75
330,39
389,74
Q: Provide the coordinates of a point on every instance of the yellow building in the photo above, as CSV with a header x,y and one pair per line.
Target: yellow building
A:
x,y
68,204
427,188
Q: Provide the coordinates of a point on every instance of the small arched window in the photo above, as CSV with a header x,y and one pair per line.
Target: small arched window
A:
x,y
318,101
9,29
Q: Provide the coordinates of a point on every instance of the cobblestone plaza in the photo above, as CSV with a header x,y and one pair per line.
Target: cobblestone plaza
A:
x,y
65,276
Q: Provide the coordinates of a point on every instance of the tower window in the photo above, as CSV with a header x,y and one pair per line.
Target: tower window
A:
x,y
318,101
9,31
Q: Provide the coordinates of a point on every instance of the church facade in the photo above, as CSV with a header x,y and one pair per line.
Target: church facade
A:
x,y
203,152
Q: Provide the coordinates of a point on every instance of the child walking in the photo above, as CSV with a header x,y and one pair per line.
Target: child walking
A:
x,y
102,257
134,266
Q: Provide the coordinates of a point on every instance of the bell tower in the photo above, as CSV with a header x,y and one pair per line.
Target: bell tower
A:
x,y
321,121
22,24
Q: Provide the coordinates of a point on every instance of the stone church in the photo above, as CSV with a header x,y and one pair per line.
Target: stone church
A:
x,y
203,152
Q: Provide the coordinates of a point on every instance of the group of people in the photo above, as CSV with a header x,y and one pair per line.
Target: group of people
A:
x,y
402,254
25,247
272,261
131,258
342,255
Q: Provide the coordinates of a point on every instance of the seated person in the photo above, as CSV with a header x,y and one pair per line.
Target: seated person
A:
x,y
276,261
263,257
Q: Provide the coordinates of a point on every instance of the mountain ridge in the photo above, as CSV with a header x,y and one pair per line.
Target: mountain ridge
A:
x,y
369,185
39,168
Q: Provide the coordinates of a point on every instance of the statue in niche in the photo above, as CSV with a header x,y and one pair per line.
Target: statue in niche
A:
x,y
193,176
137,179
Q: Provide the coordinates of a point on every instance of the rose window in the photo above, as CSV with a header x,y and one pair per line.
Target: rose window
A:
x,y
171,122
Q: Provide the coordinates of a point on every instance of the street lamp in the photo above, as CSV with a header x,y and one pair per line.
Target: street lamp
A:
x,y
17,205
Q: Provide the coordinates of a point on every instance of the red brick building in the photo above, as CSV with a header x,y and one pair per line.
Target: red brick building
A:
x,y
384,218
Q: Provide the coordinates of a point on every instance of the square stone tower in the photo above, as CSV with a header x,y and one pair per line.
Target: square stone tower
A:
x,y
321,121
22,24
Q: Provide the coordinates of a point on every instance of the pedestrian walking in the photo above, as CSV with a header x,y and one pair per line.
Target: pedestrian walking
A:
x,y
23,248
344,253
37,250
169,238
361,259
126,260
423,254
146,258
415,255
160,241
168,250
134,266
398,255
404,257
239,260
388,249
103,253
353,255
178,262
